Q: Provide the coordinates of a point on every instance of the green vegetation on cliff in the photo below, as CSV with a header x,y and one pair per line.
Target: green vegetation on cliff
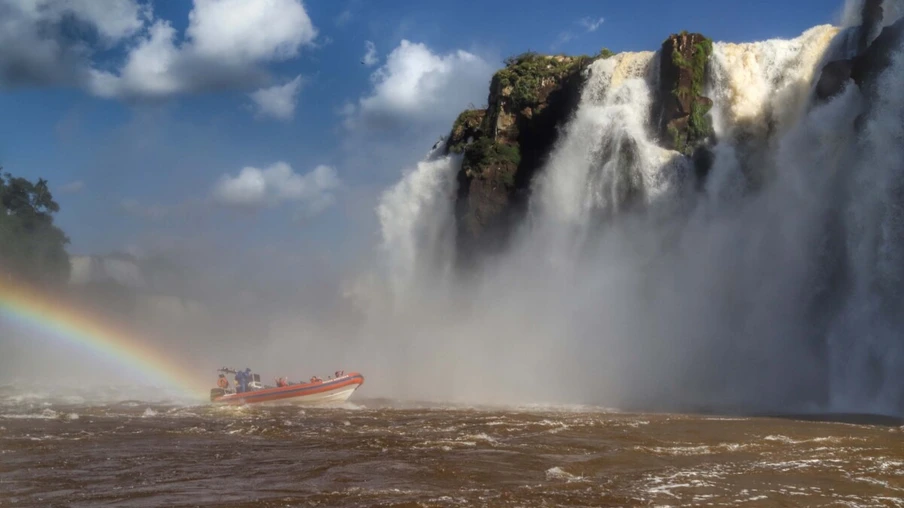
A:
x,y
698,126
503,145
486,153
466,127
605,53
31,246
527,74
702,50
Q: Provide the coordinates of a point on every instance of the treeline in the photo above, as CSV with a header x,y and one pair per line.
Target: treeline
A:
x,y
32,247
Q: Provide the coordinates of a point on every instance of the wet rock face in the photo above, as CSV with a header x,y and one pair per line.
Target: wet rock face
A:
x,y
870,21
873,55
683,123
504,145
867,66
833,78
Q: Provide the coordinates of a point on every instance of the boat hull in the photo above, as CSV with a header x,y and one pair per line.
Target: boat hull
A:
x,y
325,392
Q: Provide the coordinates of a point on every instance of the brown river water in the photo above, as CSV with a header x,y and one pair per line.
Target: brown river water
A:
x,y
69,452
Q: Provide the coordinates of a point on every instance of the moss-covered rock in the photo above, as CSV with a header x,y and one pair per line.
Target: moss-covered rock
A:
x,y
528,78
485,153
684,125
467,128
503,145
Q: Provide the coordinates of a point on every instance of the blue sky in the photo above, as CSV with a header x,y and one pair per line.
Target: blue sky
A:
x,y
143,115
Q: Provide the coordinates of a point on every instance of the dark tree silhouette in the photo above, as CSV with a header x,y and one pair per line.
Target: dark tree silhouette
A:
x,y
31,246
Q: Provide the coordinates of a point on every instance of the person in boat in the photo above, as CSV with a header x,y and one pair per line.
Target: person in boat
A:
x,y
222,382
241,380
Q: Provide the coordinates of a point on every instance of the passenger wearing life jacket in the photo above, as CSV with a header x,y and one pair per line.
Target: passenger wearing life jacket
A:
x,y
241,380
282,382
222,382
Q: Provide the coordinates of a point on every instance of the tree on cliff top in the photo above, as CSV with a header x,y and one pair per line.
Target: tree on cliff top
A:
x,y
31,246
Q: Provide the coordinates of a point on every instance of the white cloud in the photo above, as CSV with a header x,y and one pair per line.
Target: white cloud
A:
x,y
35,48
225,44
278,101
591,24
416,84
256,188
148,70
370,57
241,31
112,19
226,41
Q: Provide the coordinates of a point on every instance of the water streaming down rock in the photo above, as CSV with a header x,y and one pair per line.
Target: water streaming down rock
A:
x,y
760,90
777,287
865,339
607,159
416,220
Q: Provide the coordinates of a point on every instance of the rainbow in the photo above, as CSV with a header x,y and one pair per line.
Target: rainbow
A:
x,y
51,315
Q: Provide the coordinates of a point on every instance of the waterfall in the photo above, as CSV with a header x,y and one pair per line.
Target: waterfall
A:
x,y
760,90
607,157
417,224
778,286
867,337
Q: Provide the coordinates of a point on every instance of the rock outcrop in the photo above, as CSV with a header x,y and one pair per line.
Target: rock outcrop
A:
x,y
871,15
869,64
683,122
834,76
873,55
506,143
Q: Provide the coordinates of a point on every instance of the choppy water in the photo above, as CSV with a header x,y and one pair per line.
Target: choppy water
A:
x,y
69,452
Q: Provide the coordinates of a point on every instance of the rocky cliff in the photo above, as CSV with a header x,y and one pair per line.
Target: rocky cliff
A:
x,y
505,144
683,124
875,47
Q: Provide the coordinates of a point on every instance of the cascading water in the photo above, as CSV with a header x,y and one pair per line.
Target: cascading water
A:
x,y
760,90
607,159
866,338
417,224
778,287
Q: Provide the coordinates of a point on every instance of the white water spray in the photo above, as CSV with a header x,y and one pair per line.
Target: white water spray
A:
x,y
758,294
417,223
